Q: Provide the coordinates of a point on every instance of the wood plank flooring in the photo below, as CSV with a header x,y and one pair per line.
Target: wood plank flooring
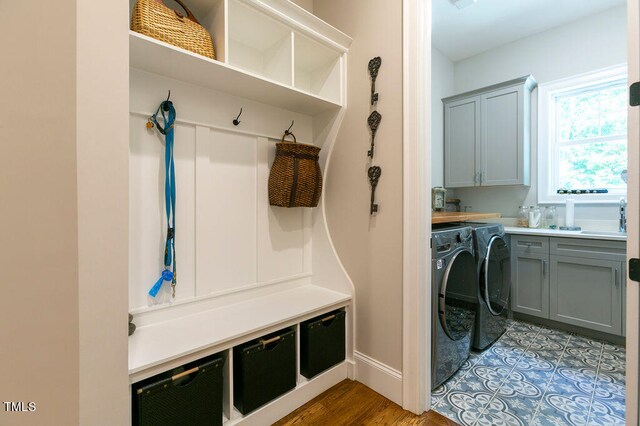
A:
x,y
352,403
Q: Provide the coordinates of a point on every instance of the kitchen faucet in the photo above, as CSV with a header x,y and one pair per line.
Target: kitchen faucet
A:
x,y
623,215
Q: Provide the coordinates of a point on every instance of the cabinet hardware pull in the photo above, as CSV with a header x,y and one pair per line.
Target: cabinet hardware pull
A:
x,y
184,373
264,343
475,178
616,280
544,268
330,317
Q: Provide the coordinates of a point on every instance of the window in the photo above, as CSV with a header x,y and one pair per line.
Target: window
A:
x,y
582,137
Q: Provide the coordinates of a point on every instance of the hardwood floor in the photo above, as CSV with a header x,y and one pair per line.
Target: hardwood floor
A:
x,y
352,403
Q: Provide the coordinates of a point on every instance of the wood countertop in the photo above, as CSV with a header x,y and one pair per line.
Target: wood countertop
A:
x,y
445,217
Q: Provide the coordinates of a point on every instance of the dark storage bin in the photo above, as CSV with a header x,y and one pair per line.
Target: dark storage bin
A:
x,y
322,343
189,395
263,369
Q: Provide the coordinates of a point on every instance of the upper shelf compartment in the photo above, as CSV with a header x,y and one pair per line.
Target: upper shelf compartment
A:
x,y
270,51
317,68
259,44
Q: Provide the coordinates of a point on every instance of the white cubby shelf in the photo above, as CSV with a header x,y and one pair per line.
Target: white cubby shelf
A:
x,y
247,269
262,54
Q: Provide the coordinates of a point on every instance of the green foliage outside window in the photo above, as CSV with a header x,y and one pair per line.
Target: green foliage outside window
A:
x,y
591,128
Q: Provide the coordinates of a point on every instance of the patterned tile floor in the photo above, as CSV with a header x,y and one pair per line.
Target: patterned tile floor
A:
x,y
534,376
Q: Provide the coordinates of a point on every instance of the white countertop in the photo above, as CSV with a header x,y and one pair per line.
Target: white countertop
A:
x,y
587,234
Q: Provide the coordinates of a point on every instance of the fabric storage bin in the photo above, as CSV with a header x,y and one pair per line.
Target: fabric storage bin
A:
x,y
322,343
263,369
189,395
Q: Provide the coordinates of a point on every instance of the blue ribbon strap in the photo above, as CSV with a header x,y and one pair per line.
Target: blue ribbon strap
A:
x,y
169,195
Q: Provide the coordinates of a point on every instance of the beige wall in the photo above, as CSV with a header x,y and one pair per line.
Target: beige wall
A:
x,y
38,212
370,248
103,210
63,208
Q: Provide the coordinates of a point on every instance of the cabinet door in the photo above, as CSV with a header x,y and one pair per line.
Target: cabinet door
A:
x,y
502,147
530,283
461,142
587,293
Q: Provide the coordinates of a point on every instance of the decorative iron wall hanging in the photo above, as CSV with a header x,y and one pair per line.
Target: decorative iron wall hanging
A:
x,y
374,175
373,121
374,66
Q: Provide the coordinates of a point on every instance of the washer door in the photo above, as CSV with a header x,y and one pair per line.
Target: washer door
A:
x,y
495,276
458,295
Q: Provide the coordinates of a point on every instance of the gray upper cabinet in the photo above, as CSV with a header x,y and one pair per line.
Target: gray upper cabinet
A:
x,y
462,142
486,135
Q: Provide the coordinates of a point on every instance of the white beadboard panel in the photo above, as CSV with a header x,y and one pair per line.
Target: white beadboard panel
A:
x,y
281,231
307,217
225,211
147,212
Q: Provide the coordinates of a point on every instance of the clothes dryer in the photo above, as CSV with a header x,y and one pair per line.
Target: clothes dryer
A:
x,y
493,261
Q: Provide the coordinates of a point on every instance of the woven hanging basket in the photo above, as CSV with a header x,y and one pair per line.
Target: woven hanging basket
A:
x,y
153,19
295,179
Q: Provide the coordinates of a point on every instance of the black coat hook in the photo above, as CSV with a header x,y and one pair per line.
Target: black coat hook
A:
x,y
288,131
236,121
165,104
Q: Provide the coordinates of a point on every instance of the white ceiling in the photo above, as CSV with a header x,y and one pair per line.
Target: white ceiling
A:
x,y
460,34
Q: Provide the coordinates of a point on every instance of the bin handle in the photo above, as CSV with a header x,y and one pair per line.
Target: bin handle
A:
x,y
330,317
184,373
264,343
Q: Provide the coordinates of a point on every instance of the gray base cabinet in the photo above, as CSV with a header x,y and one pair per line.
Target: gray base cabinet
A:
x,y
530,281
530,275
587,293
574,281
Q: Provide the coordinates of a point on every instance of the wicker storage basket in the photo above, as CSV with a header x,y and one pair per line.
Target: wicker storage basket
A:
x,y
295,179
152,18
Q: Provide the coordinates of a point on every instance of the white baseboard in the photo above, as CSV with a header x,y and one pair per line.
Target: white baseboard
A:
x,y
379,377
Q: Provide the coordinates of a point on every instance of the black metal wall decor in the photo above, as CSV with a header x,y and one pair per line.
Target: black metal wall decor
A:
x,y
374,175
374,66
373,121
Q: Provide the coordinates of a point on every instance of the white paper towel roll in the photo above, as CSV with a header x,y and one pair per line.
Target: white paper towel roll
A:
x,y
569,212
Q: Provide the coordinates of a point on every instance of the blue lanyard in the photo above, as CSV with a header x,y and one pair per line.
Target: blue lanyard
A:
x,y
169,273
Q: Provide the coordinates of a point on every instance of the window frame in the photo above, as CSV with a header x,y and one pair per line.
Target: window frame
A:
x,y
546,135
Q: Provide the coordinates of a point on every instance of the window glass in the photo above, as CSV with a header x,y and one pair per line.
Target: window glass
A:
x,y
589,145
